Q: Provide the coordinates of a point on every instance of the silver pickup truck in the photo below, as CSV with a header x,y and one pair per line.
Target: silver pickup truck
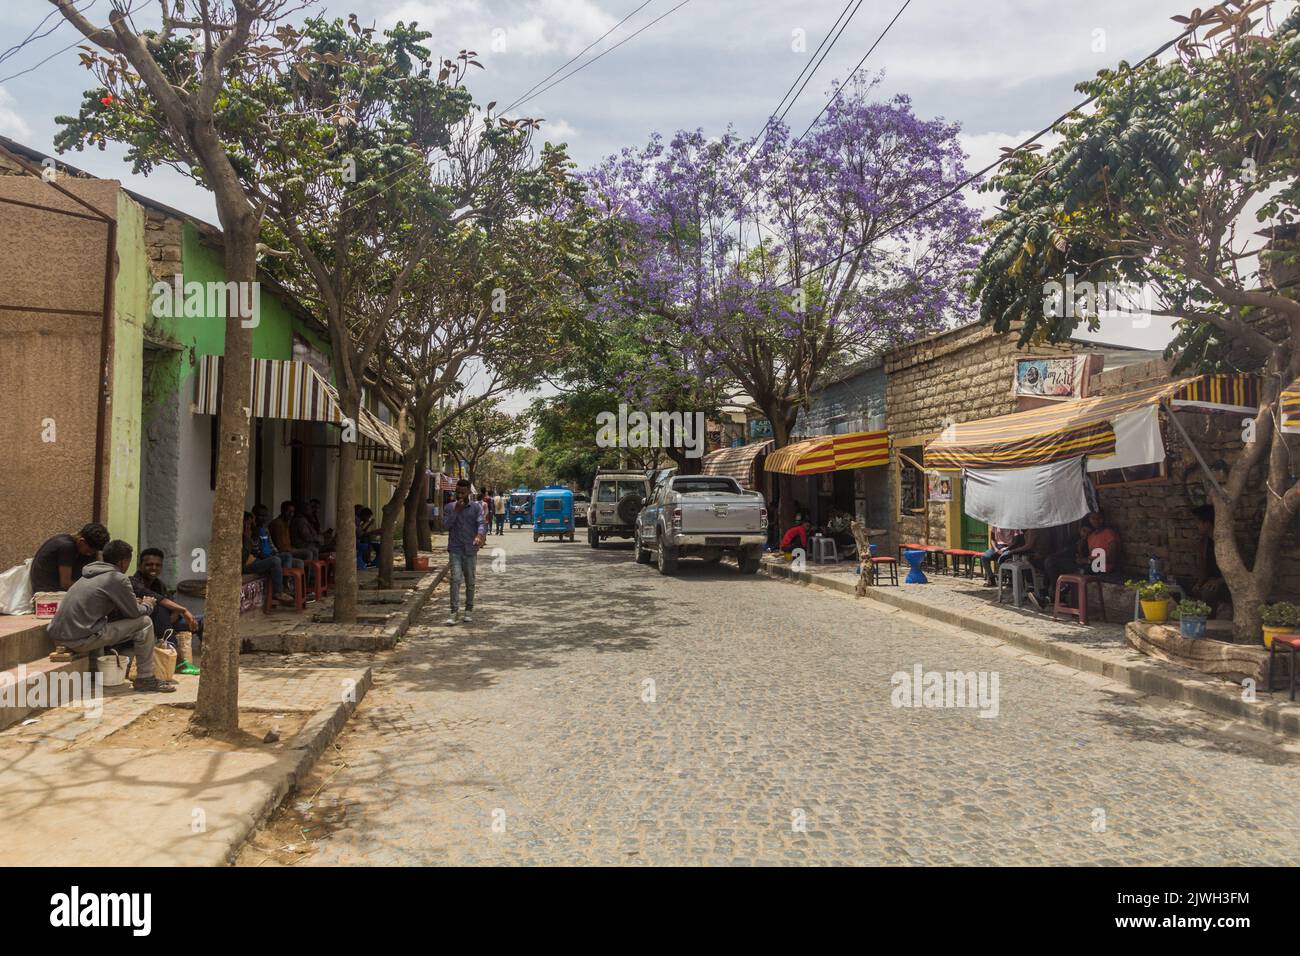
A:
x,y
701,516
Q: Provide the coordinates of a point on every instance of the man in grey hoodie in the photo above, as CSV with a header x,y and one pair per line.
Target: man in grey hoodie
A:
x,y
101,610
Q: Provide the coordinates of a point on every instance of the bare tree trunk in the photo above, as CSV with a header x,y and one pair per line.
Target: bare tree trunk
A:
x,y
217,707
388,523
345,528
415,525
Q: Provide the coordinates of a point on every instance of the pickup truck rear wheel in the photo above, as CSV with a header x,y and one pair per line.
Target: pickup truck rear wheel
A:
x,y
749,561
667,558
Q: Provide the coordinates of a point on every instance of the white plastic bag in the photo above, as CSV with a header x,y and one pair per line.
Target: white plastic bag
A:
x,y
16,589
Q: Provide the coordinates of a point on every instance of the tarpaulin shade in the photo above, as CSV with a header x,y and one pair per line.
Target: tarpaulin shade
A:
x,y
831,453
1071,429
735,462
1041,496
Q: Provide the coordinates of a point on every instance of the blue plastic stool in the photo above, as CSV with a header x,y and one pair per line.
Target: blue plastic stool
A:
x,y
916,575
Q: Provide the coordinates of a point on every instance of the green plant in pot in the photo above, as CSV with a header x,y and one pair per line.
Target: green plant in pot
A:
x,y
1154,597
1192,616
1280,618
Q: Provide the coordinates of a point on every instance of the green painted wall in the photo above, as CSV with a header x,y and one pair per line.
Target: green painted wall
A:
x,y
131,309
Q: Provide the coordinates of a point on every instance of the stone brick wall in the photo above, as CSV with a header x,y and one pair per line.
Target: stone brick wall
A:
x,y
964,374
1155,518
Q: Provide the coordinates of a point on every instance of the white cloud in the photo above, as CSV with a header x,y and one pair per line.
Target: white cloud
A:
x,y
531,28
11,124
558,131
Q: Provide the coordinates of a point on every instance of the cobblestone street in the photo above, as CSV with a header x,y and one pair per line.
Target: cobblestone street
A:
x,y
597,712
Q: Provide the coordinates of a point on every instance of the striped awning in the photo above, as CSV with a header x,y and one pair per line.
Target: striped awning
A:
x,y
1291,408
280,389
736,462
283,388
831,453
1219,393
1071,429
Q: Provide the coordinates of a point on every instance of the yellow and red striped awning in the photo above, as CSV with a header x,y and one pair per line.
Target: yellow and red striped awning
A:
x,y
1291,408
831,453
1058,432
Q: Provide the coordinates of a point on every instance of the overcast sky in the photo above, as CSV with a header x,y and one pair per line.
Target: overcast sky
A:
x,y
1001,68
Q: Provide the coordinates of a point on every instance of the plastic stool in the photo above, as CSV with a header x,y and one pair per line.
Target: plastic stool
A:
x,y
320,574
824,548
1081,583
1017,568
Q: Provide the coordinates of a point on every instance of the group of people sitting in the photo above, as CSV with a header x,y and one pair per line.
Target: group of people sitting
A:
x,y
1095,549
839,528
290,540
101,607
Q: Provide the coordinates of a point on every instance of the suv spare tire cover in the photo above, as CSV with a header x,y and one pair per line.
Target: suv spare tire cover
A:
x,y
628,508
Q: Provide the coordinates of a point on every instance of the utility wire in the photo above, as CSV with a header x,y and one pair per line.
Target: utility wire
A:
x,y
813,63
581,53
579,69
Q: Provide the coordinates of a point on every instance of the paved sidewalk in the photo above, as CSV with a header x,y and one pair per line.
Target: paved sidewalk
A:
x,y
1098,648
69,796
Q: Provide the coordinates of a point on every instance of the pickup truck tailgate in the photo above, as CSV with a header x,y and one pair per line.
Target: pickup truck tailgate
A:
x,y
707,515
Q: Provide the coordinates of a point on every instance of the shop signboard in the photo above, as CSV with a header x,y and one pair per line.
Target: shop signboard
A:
x,y
1058,379
939,487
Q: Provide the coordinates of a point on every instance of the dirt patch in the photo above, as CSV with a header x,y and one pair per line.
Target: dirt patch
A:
x,y
167,728
290,835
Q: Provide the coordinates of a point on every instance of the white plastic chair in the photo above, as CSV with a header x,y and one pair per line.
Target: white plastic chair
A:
x,y
824,548
1018,568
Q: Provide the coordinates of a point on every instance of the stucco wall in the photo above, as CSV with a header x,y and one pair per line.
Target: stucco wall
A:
x,y
49,362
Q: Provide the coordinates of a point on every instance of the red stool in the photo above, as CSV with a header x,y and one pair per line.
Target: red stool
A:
x,y
299,586
1081,583
320,574
962,560
878,563
1283,642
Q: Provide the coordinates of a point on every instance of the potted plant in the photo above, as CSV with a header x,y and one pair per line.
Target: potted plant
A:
x,y
1280,618
1192,616
1154,597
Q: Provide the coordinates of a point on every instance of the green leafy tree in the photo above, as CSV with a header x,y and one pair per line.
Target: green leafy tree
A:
x,y
1155,186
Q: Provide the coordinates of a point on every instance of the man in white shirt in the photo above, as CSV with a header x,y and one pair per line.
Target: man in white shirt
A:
x,y
499,511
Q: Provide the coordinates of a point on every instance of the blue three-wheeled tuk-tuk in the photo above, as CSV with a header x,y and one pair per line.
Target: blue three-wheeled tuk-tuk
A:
x,y
520,507
553,512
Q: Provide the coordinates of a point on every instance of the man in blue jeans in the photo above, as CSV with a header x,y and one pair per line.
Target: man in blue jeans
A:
x,y
466,524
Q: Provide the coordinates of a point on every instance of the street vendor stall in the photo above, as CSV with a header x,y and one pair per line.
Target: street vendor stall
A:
x,y
1029,469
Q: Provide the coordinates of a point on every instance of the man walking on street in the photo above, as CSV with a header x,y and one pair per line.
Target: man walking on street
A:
x,y
466,523
499,511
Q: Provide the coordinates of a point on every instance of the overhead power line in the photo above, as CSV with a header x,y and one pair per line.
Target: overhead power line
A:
x,y
581,53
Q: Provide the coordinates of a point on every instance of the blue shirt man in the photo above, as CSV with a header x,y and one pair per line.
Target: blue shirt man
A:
x,y
466,524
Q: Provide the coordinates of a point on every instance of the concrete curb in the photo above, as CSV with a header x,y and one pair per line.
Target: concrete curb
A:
x,y
401,622
1143,674
316,735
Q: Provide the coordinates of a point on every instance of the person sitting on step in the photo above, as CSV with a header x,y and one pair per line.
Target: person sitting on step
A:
x,y
168,615
101,610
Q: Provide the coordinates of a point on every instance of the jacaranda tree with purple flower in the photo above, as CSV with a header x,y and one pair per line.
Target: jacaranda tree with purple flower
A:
x,y
778,263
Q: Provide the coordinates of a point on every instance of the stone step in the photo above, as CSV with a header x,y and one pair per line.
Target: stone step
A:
x,y
19,686
22,639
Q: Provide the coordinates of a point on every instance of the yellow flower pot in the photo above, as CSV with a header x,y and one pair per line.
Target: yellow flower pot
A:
x,y
1272,632
1157,612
